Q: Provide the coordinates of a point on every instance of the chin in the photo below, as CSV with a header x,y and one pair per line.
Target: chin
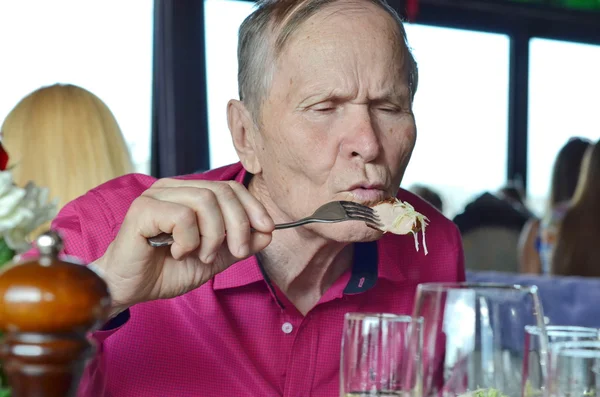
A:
x,y
347,232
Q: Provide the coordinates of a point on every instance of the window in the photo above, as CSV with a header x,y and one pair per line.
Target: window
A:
x,y
563,102
461,106
102,46
222,19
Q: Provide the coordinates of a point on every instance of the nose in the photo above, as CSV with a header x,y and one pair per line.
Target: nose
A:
x,y
361,138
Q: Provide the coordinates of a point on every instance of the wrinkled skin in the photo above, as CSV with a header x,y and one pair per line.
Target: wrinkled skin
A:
x,y
337,124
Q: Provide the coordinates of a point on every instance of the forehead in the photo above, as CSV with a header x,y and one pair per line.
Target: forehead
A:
x,y
341,13
346,36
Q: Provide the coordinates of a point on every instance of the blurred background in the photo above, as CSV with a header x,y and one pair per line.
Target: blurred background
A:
x,y
504,85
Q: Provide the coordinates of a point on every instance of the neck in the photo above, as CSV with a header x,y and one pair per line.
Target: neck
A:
x,y
302,264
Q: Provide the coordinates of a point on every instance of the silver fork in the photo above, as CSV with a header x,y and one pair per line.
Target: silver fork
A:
x,y
333,212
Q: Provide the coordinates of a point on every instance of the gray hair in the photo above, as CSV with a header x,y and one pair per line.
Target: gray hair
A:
x,y
258,49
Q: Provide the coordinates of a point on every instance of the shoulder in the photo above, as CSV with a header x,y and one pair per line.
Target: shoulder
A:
x,y
444,260
529,239
532,227
89,223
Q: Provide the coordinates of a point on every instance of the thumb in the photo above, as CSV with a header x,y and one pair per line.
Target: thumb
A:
x,y
259,241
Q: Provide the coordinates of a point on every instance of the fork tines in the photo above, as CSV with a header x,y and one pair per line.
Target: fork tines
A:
x,y
360,212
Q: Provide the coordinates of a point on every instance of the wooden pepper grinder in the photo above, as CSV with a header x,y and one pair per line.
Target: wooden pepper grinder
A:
x,y
47,307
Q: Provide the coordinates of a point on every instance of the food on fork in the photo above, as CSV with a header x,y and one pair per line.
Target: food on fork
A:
x,y
399,217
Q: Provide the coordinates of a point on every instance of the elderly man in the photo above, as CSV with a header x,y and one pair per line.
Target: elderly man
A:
x,y
234,308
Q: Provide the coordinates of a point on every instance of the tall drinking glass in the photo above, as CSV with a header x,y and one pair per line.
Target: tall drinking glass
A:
x,y
380,355
533,379
473,337
574,369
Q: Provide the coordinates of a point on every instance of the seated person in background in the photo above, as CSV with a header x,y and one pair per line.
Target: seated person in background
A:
x,y
514,194
490,228
577,252
325,113
64,138
429,195
490,210
538,237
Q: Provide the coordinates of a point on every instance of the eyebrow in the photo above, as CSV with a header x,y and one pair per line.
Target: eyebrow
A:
x,y
394,96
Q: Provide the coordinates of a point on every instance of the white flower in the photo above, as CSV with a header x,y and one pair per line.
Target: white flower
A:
x,y
11,214
22,210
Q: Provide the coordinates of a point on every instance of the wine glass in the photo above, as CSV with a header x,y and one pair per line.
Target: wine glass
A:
x,y
533,379
574,369
380,355
473,337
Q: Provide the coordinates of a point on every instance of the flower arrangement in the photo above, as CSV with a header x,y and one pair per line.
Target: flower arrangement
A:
x,y
22,210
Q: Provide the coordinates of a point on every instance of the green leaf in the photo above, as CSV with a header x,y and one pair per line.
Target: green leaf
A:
x,y
6,255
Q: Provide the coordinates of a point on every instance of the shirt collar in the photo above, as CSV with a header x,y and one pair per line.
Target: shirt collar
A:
x,y
241,273
392,256
371,261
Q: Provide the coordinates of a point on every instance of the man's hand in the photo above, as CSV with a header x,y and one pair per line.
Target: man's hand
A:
x,y
211,224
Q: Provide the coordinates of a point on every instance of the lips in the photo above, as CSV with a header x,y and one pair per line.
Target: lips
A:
x,y
368,194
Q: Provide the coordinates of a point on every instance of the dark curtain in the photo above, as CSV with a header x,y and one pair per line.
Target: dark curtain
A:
x,y
179,105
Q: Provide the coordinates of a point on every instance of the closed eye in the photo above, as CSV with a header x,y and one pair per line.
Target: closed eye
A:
x,y
324,107
391,105
389,109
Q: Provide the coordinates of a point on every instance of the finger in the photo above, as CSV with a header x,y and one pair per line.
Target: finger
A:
x,y
150,217
257,214
168,183
237,224
258,242
255,210
210,220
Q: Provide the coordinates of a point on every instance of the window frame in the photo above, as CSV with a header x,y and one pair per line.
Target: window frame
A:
x,y
521,22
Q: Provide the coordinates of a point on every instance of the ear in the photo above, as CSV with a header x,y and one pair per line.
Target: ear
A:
x,y
243,133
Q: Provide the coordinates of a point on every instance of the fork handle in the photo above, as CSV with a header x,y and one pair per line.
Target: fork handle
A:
x,y
304,222
164,239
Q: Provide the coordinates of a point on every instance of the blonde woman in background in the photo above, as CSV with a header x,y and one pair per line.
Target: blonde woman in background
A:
x,y
64,138
577,251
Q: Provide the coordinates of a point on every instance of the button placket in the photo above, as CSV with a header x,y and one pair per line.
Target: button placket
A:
x,y
301,369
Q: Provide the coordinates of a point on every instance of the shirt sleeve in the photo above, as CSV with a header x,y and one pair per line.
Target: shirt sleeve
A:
x,y
86,229
112,326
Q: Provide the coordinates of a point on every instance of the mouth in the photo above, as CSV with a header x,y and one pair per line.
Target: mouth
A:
x,y
368,193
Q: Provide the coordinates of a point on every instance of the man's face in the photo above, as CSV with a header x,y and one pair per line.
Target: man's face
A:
x,y
337,123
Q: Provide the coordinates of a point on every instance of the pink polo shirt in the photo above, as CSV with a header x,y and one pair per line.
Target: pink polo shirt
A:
x,y
238,335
